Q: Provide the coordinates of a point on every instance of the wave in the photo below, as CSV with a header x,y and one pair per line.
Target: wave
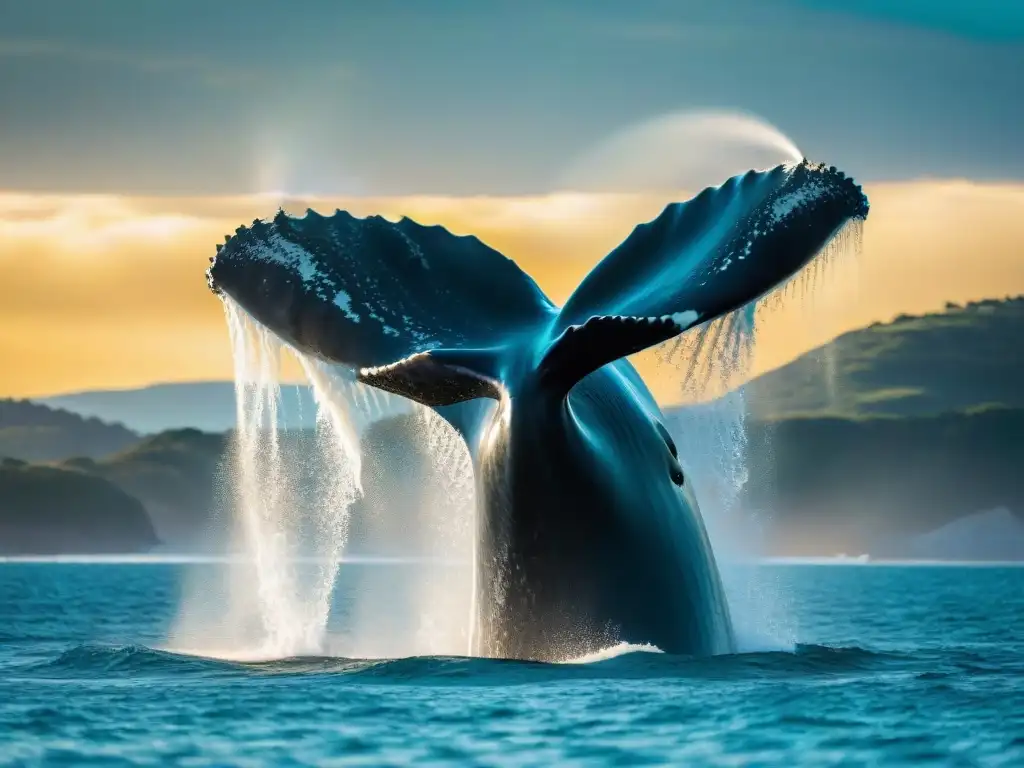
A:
x,y
619,662
612,652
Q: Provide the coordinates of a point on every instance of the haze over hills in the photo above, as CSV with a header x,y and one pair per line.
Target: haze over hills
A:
x,y
208,406
889,434
33,432
54,510
205,405
874,484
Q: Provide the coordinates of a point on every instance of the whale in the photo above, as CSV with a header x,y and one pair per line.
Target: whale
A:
x,y
588,532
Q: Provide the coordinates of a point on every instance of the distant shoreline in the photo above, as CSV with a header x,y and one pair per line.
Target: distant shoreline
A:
x,y
185,559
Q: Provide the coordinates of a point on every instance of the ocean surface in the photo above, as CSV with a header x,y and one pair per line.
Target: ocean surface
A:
x,y
892,665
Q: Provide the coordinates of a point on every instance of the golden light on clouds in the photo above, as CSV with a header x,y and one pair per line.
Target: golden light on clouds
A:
x,y
108,292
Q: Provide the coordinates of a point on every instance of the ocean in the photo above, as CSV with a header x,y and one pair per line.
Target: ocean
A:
x,y
891,665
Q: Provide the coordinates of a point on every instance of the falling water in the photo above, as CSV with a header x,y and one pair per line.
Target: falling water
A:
x,y
447,507
417,509
710,364
294,498
712,441
290,494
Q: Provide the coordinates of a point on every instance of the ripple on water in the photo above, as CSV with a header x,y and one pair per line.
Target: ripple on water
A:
x,y
92,683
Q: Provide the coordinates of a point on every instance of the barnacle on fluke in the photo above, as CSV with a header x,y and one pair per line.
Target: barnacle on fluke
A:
x,y
587,528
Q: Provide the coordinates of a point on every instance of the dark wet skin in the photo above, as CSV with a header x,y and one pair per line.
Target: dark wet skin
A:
x,y
588,532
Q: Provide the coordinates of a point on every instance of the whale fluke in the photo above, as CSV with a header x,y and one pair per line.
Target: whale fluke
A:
x,y
371,292
697,261
374,294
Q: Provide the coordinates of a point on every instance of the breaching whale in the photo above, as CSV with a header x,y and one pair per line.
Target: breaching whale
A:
x,y
588,531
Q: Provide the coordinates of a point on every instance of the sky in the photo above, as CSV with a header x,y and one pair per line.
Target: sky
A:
x,y
135,134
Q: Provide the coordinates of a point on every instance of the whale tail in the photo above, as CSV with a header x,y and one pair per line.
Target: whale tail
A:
x,y
695,262
432,316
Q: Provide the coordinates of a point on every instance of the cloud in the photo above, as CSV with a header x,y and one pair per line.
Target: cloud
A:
x,y
213,73
107,291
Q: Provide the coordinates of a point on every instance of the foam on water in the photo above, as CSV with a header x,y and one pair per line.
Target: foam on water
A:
x,y
612,652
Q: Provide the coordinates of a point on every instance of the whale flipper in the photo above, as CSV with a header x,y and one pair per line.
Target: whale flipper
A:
x,y
697,261
370,292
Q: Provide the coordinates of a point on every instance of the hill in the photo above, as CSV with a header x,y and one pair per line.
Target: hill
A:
x,y
873,485
48,510
820,485
920,426
208,406
175,476
962,357
173,482
34,432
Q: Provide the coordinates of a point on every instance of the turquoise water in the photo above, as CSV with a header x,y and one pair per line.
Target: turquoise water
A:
x,y
895,665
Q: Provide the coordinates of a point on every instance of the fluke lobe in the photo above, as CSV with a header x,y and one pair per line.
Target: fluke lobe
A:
x,y
588,532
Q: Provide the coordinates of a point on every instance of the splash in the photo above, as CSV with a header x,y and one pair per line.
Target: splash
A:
x,y
711,363
612,652
295,497
419,503
290,493
449,506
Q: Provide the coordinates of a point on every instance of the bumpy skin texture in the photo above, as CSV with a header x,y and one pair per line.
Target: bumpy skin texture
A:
x,y
587,531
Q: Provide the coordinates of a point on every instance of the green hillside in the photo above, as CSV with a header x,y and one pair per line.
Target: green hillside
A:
x,y
47,510
960,358
174,475
161,490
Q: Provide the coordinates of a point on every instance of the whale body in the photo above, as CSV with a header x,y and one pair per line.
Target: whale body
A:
x,y
587,530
